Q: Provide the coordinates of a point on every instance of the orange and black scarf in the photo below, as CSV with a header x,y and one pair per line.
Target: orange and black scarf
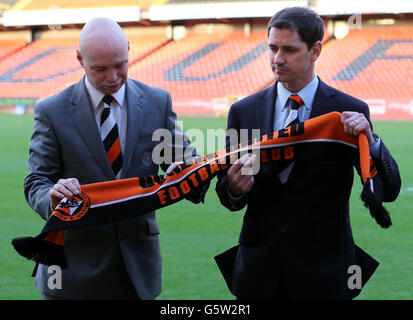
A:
x,y
122,199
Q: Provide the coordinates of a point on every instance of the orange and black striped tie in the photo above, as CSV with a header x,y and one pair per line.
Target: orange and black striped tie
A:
x,y
285,166
294,102
110,136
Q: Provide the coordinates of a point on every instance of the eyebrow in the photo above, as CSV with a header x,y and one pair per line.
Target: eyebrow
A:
x,y
104,66
287,46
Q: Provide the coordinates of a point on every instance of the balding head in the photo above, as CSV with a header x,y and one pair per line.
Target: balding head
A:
x,y
103,53
101,32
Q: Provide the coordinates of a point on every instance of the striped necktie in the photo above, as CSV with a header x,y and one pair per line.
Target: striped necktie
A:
x,y
110,136
285,166
294,102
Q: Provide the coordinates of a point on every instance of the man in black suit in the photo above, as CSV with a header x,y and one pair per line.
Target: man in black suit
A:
x,y
296,240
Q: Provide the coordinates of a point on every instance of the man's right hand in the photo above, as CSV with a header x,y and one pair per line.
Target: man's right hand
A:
x,y
240,179
63,188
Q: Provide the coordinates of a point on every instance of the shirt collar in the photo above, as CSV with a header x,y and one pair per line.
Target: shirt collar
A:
x,y
96,96
306,94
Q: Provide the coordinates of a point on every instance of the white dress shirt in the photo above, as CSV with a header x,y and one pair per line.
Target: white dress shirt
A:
x,y
307,94
118,108
282,110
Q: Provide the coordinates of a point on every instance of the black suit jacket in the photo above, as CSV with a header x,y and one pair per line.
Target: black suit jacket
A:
x,y
299,230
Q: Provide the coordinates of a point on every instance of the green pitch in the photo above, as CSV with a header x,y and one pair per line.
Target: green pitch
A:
x,y
191,235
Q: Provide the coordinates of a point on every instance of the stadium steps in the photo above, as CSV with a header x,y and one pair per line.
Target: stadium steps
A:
x,y
375,65
9,48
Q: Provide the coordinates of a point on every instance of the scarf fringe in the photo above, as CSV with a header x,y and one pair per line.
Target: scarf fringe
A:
x,y
377,211
40,251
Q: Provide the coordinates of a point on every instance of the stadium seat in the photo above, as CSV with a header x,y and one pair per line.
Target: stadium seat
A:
x,y
8,47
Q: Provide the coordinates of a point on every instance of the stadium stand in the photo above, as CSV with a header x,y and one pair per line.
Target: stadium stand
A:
x,y
49,64
40,68
375,65
208,68
11,42
200,69
207,72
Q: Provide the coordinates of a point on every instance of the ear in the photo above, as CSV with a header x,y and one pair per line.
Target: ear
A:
x,y
79,57
316,51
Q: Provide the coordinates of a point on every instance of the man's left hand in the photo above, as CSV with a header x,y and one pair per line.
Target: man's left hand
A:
x,y
354,123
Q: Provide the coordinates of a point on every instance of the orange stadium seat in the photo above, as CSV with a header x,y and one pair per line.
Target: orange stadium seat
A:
x,y
375,65
8,47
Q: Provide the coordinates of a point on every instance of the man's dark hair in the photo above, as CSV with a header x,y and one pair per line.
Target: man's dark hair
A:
x,y
306,22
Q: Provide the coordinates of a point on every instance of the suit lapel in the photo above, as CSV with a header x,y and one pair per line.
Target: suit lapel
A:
x,y
84,119
135,105
265,109
323,102
264,113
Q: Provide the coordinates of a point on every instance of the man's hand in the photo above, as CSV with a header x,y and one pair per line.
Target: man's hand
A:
x,y
172,166
240,180
354,123
63,188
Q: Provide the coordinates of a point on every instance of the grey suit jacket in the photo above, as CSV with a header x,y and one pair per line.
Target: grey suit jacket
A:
x,y
114,260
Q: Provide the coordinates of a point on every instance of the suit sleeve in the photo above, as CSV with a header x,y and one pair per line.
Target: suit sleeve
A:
x,y
221,188
388,175
43,164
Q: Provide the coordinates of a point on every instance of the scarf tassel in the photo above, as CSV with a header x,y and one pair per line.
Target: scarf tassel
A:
x,y
377,211
42,249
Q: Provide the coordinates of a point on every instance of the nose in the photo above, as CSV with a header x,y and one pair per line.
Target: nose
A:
x,y
278,58
111,75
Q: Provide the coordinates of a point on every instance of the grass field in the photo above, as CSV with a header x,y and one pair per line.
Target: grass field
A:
x,y
191,235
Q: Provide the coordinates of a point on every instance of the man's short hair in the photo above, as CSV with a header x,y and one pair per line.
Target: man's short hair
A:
x,y
306,22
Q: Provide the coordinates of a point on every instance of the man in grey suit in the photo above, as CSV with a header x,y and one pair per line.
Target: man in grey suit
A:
x,y
120,260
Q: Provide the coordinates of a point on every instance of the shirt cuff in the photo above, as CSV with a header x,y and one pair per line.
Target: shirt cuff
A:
x,y
375,148
232,197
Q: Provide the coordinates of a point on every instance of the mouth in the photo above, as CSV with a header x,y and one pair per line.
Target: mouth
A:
x,y
112,87
279,70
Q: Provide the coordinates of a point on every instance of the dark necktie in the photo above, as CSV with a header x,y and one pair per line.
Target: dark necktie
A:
x,y
110,136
